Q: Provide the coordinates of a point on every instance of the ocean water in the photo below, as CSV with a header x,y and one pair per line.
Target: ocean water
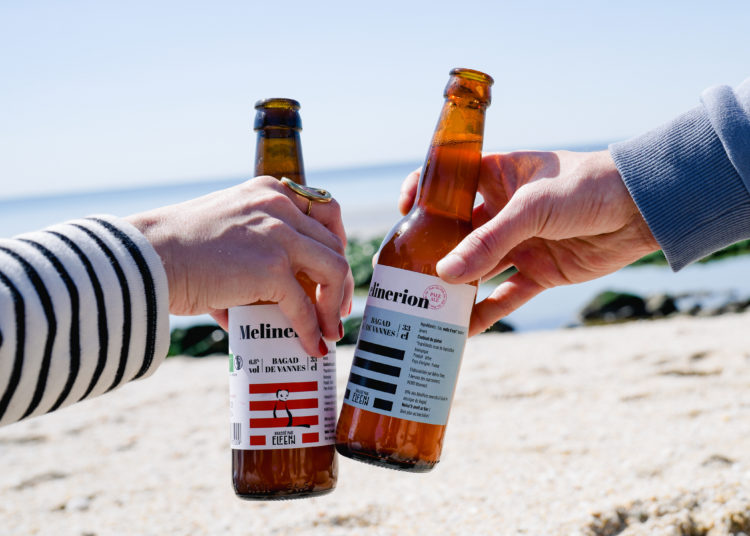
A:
x,y
368,197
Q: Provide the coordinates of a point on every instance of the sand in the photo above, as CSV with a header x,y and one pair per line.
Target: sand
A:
x,y
641,428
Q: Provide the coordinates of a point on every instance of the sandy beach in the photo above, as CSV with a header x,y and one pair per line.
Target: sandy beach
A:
x,y
636,429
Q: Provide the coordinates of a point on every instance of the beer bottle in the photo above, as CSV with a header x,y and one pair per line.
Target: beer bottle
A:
x,y
415,325
282,401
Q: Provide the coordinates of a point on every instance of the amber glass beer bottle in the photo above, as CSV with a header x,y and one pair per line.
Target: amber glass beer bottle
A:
x,y
282,401
415,325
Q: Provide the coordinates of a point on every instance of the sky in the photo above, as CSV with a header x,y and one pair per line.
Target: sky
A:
x,y
99,95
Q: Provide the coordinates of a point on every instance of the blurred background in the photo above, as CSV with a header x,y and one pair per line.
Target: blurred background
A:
x,y
120,107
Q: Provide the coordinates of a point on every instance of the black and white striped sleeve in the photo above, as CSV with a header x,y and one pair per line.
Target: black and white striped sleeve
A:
x,y
84,308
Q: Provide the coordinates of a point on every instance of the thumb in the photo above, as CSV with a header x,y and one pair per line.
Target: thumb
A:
x,y
479,253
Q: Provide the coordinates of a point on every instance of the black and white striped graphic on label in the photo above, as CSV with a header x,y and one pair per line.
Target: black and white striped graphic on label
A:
x,y
407,358
368,356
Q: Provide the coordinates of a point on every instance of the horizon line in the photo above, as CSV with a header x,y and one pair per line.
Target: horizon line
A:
x,y
192,182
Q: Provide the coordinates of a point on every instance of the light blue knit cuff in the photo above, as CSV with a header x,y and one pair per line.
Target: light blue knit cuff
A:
x,y
687,189
729,113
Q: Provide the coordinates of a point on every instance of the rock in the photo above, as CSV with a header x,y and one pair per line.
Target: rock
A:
x,y
199,341
359,253
610,306
659,305
351,330
500,327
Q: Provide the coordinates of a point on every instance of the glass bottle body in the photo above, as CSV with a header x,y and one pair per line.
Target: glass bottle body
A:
x,y
283,473
438,221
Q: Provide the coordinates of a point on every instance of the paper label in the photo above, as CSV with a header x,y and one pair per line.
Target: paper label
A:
x,y
413,334
279,397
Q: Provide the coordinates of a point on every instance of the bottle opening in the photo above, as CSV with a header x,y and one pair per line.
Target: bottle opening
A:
x,y
278,103
471,74
277,113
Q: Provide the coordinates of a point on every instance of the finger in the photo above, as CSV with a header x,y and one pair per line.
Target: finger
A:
x,y
481,214
324,223
332,274
331,233
501,267
347,301
290,207
482,249
300,311
506,298
328,214
408,191
221,316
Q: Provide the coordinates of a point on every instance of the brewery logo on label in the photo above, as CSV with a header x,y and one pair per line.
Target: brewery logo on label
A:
x,y
437,296
237,363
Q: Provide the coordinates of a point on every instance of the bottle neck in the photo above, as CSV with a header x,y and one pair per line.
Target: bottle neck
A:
x,y
278,153
450,174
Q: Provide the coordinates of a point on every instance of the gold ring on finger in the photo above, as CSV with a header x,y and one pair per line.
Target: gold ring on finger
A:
x,y
313,195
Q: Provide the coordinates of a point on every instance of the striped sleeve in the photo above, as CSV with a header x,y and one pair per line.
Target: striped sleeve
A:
x,y
84,308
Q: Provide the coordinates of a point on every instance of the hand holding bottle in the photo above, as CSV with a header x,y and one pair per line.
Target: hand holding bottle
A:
x,y
558,217
247,243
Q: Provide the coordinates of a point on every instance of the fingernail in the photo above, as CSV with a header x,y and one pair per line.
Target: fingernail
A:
x,y
323,347
451,266
341,329
350,309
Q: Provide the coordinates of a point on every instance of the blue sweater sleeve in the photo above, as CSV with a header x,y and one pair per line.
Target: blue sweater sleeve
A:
x,y
690,178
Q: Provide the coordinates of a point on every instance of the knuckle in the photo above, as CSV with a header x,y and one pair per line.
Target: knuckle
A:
x,y
278,202
266,180
482,241
261,182
335,207
304,316
276,227
276,264
340,245
341,267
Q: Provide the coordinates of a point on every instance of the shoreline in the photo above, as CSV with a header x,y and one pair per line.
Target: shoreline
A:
x,y
636,428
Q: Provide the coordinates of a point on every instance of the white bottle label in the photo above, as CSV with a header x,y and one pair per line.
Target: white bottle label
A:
x,y
410,345
279,397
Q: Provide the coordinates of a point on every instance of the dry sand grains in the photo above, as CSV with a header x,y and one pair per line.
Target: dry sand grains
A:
x,y
637,429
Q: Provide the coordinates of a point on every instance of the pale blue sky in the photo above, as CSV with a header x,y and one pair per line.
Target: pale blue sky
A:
x,y
104,94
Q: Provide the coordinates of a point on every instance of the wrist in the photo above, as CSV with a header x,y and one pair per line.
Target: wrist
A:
x,y
686,187
152,226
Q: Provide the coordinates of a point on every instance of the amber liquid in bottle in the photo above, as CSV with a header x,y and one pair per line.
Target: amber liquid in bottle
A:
x,y
282,473
439,219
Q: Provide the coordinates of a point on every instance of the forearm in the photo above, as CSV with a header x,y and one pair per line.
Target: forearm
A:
x,y
83,309
690,178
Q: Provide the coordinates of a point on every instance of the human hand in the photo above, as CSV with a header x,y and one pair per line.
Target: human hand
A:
x,y
246,244
557,217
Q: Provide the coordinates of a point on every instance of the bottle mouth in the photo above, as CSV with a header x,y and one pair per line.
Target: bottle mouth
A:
x,y
471,74
277,114
277,103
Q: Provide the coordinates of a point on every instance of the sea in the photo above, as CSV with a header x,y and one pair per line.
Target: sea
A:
x,y
368,197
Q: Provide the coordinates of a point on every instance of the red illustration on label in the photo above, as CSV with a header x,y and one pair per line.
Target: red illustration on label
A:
x,y
288,396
